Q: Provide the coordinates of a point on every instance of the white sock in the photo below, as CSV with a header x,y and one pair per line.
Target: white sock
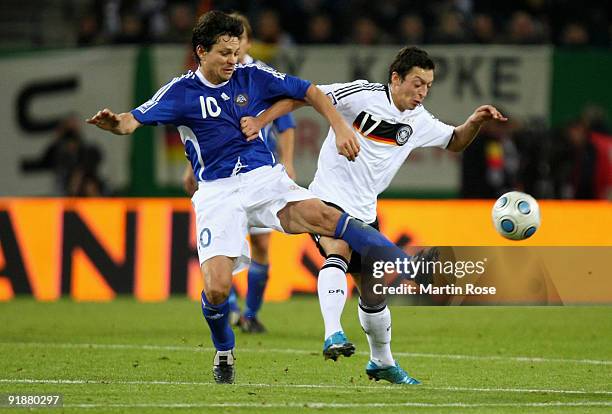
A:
x,y
377,327
332,290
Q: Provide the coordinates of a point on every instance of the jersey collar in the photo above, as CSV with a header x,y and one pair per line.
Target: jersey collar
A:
x,y
206,82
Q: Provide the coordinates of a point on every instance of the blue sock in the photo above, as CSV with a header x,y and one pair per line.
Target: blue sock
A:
x,y
233,300
367,241
258,279
217,317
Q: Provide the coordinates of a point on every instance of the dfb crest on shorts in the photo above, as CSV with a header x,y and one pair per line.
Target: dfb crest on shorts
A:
x,y
403,134
242,99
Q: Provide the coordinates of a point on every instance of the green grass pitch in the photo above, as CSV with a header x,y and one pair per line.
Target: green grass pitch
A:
x,y
132,357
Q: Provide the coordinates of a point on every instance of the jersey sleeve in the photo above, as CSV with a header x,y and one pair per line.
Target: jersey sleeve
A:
x,y
348,98
163,108
284,123
437,133
273,84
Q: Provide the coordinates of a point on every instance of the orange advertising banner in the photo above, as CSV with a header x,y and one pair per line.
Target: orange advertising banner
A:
x,y
95,249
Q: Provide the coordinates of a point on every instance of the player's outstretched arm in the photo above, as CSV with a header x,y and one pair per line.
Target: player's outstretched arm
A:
x,y
465,133
346,143
118,124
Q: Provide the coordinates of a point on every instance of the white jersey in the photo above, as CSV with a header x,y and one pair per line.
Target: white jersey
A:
x,y
386,136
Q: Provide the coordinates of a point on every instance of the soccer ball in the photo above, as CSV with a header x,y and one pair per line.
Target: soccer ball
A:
x,y
516,215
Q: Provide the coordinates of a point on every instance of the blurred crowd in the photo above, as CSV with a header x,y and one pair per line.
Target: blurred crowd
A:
x,y
571,162
72,160
559,22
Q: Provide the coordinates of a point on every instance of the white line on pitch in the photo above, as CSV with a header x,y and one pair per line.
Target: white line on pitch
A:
x,y
259,385
343,405
305,351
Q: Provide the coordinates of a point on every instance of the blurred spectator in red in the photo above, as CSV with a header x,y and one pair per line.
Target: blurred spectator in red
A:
x,y
576,169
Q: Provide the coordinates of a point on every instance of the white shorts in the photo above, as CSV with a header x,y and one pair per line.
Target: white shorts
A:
x,y
226,208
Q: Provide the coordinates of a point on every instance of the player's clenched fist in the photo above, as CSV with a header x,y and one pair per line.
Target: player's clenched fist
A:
x,y
346,143
250,127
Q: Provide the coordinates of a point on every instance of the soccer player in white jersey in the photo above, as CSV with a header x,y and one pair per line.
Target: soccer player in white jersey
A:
x,y
240,185
389,121
280,134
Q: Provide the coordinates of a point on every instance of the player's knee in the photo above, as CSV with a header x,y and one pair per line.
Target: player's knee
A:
x,y
217,284
327,218
216,294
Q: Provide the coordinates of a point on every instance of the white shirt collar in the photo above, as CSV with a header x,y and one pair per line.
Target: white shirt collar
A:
x,y
247,59
206,82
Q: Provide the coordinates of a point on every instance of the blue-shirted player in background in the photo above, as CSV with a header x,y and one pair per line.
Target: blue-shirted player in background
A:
x,y
240,185
280,135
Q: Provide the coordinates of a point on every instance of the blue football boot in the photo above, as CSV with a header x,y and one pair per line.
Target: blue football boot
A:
x,y
337,344
394,374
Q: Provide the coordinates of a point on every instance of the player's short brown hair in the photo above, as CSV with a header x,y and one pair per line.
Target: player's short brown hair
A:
x,y
409,57
210,26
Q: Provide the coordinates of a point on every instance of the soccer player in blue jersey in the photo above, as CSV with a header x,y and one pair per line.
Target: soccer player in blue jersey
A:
x,y
280,133
240,185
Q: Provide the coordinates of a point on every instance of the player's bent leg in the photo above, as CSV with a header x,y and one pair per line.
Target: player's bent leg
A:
x,y
217,273
257,281
332,291
313,216
309,216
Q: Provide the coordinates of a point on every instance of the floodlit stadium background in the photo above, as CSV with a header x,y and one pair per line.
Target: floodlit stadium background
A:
x,y
541,64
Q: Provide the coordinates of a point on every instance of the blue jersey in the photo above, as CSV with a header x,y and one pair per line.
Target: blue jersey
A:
x,y
280,124
208,116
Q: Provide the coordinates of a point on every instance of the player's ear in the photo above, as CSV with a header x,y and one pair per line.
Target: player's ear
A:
x,y
395,78
201,52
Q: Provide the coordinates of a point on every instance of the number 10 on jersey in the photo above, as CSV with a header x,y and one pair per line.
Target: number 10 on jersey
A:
x,y
209,107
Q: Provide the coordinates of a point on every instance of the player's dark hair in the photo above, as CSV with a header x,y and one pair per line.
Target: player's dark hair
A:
x,y
409,57
210,27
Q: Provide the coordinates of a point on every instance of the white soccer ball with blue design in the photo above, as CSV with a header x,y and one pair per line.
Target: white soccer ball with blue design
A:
x,y
516,215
